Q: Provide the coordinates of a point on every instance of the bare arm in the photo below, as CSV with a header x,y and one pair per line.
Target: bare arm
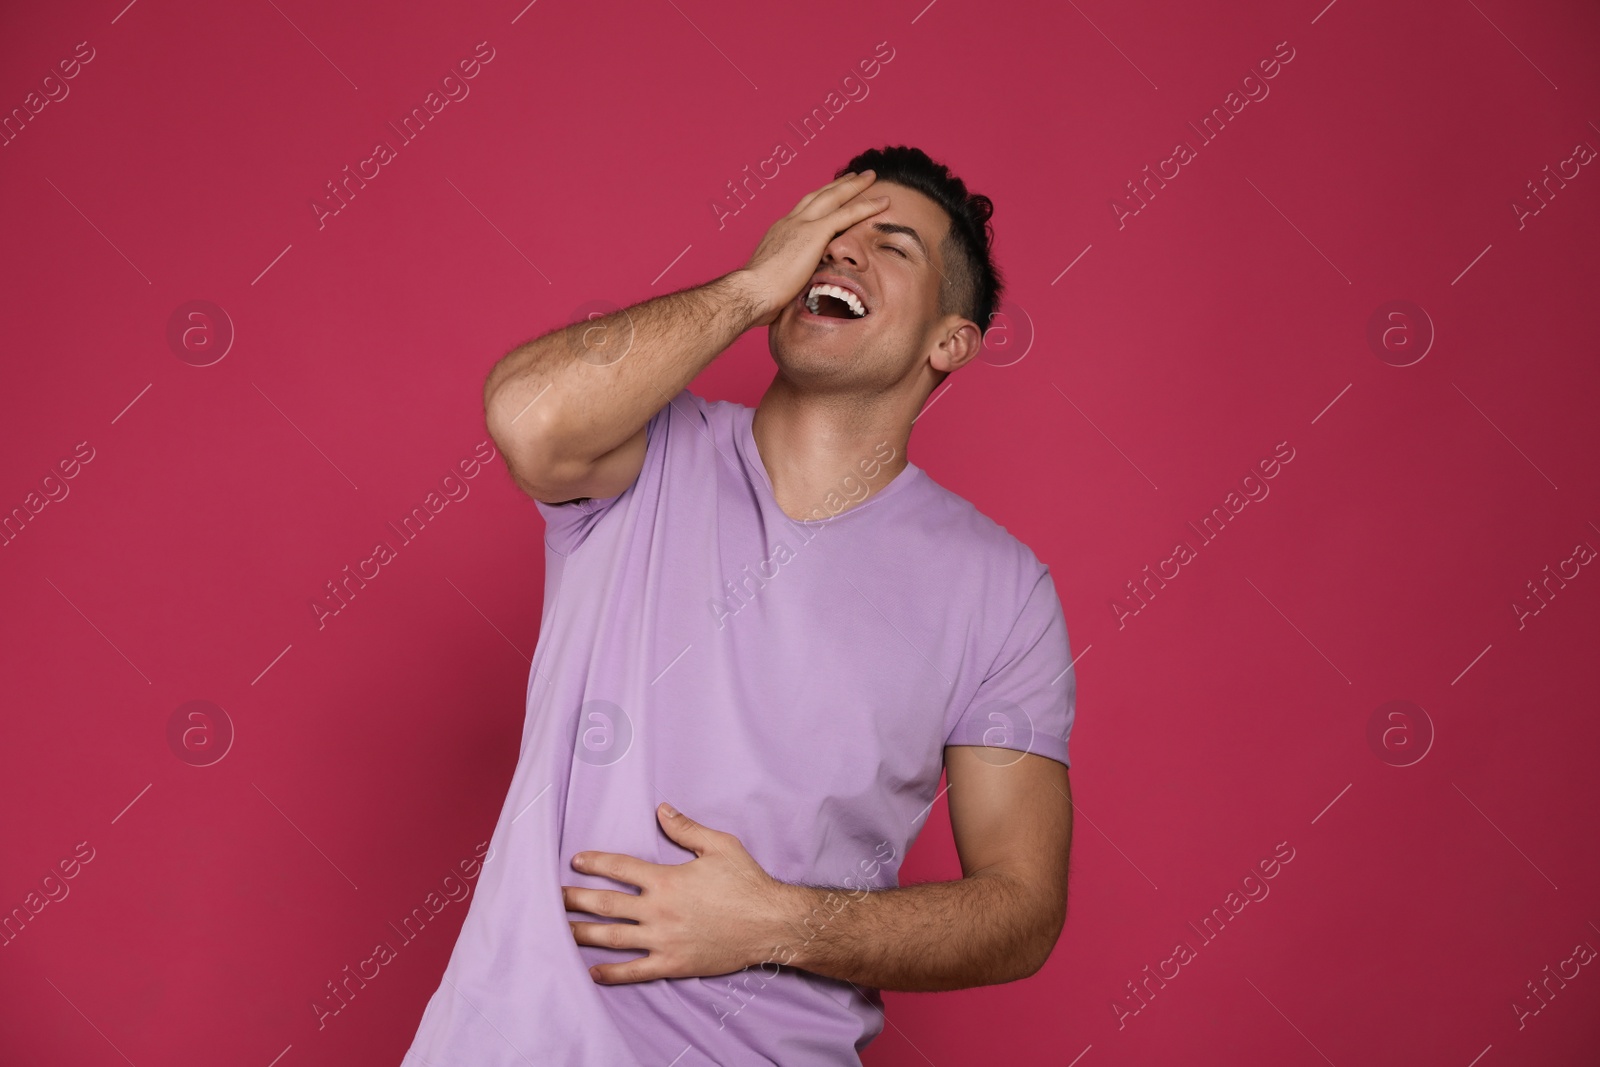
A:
x,y
568,410
1013,829
556,405
719,913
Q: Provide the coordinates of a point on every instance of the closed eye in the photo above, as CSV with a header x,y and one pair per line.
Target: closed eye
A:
x,y
897,251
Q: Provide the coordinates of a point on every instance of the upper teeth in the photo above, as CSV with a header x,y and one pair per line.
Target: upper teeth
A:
x,y
851,300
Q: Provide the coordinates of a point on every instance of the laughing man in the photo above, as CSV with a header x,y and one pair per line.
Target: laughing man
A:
x,y
765,633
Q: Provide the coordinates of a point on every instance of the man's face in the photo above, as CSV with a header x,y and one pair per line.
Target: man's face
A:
x,y
894,261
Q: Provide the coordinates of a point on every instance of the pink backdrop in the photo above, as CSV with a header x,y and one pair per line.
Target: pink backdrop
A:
x,y
1372,675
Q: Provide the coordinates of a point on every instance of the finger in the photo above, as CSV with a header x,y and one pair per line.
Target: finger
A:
x,y
603,902
846,190
642,969
848,214
609,935
833,194
684,830
819,190
617,866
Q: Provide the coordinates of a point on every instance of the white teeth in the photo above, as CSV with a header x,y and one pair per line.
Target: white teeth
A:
x,y
851,300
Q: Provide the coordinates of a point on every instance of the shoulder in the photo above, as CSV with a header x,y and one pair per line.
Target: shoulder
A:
x,y
980,544
972,529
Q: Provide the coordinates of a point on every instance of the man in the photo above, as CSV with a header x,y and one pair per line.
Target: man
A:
x,y
773,622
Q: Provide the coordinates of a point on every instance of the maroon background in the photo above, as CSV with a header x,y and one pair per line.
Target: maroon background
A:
x,y
1231,313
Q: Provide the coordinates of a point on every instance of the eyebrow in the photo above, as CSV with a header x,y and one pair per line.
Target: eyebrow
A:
x,y
895,227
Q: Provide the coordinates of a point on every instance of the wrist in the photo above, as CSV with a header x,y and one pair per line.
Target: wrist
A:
x,y
752,307
784,932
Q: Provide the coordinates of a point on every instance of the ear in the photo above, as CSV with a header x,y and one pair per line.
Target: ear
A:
x,y
959,343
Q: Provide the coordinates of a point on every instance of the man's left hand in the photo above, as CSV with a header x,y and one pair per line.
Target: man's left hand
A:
x,y
713,915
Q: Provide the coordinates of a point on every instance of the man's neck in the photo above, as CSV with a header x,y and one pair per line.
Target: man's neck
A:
x,y
819,449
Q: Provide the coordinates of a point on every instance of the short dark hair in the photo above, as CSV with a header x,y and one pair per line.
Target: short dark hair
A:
x,y
972,283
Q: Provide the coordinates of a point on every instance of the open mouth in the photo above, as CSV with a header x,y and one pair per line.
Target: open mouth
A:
x,y
833,302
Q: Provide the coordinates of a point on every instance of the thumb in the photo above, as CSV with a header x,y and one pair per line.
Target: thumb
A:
x,y
682,829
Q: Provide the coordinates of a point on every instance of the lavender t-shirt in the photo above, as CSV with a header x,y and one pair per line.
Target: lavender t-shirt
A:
x,y
791,682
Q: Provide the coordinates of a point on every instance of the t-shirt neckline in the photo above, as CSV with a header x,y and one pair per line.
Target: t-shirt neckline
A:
x,y
752,458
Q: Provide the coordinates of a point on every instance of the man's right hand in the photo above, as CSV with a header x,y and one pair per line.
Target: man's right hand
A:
x,y
787,257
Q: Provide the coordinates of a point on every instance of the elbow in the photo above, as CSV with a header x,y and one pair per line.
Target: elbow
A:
x,y
519,425
509,418
1030,960
1033,960
1035,919
517,407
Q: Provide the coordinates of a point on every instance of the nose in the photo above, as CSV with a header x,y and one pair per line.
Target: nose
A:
x,y
844,248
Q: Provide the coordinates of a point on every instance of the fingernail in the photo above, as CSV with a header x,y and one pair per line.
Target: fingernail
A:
x,y
579,861
668,808
594,973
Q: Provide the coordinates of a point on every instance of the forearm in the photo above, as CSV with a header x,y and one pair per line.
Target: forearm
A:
x,y
586,388
979,930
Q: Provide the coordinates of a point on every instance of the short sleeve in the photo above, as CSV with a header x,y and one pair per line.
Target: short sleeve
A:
x,y
568,524
1028,700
